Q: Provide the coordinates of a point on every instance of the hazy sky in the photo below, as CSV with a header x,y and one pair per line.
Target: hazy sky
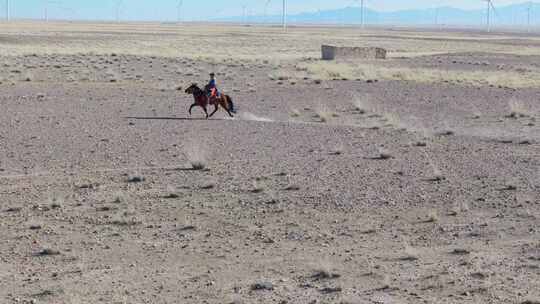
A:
x,y
203,9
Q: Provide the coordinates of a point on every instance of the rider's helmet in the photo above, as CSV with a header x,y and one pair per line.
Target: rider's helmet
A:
x,y
212,74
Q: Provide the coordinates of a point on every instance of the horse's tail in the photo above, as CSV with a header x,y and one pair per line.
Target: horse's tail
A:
x,y
232,108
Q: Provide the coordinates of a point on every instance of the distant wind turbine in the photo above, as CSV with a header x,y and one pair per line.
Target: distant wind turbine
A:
x,y
69,12
284,17
362,11
438,13
46,8
8,11
250,15
179,7
529,10
244,8
118,7
489,7
266,4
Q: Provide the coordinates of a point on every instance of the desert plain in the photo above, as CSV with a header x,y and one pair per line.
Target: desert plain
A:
x,y
414,179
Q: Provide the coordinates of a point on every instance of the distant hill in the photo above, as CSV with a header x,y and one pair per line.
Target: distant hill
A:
x,y
510,15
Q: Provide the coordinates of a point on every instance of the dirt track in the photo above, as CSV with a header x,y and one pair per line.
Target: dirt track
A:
x,y
429,194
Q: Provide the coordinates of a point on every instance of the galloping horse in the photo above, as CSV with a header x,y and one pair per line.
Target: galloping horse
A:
x,y
202,100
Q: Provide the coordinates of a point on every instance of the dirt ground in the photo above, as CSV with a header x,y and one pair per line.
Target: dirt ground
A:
x,y
318,191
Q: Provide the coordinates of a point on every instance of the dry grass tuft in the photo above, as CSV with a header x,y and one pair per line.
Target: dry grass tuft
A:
x,y
362,104
120,197
383,153
236,299
351,300
333,70
338,149
409,253
258,187
433,217
196,155
125,219
394,120
295,113
56,200
324,271
475,112
436,173
518,109
323,114
459,207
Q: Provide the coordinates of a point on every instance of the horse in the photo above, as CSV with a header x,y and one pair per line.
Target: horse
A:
x,y
202,100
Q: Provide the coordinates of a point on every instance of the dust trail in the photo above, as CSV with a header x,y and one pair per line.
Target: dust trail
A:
x,y
253,117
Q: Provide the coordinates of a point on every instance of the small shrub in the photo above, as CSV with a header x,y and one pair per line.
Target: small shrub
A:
x,y
409,253
295,113
517,109
433,217
323,114
196,156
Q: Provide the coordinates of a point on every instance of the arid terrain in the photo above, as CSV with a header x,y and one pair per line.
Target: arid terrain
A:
x,y
414,179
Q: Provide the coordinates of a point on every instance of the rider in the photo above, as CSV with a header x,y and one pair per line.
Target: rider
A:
x,y
212,87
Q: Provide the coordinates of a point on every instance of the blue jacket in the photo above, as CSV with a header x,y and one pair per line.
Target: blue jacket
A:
x,y
212,84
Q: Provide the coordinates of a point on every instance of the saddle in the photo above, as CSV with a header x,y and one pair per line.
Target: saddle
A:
x,y
211,91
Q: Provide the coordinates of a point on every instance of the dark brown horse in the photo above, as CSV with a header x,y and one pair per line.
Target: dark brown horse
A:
x,y
202,100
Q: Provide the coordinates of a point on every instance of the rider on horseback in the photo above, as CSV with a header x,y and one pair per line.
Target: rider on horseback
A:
x,y
211,87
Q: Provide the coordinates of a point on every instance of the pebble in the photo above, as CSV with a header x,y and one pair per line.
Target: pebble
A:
x,y
262,286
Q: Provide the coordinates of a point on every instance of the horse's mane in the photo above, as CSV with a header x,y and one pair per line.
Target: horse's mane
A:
x,y
196,88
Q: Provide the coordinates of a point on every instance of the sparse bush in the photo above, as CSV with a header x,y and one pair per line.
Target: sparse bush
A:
x,y
338,149
295,113
323,114
432,217
126,218
384,154
475,113
517,109
324,271
120,197
436,173
257,187
361,104
371,72
393,120
196,156
460,206
409,253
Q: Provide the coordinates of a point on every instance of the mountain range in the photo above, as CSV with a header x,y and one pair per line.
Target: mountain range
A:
x,y
510,15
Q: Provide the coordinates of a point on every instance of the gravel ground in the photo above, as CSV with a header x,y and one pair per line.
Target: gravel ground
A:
x,y
330,192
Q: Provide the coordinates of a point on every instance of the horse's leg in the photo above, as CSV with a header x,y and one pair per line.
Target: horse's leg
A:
x,y
193,105
205,111
215,109
225,105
